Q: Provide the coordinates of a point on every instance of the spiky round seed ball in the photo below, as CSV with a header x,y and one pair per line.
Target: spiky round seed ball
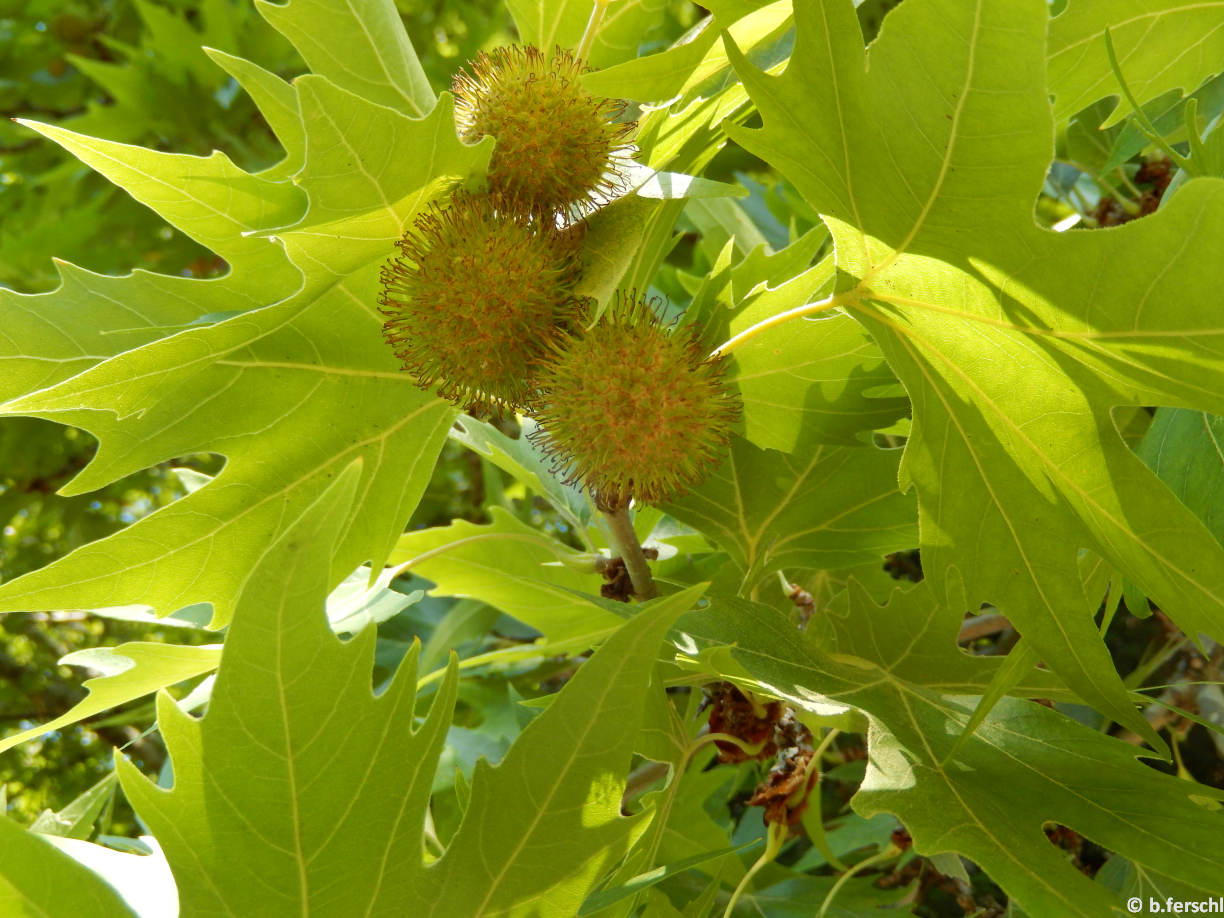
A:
x,y
632,409
557,145
476,299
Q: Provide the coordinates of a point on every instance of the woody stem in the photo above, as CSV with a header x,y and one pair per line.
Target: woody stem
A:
x,y
625,544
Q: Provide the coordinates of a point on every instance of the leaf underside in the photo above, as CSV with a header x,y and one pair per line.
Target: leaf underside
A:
x,y
301,790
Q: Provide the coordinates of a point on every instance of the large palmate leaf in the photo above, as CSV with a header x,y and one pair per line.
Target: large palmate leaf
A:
x,y
827,508
1150,40
314,800
282,804
1024,766
808,383
801,384
1015,344
291,392
361,47
544,826
50,337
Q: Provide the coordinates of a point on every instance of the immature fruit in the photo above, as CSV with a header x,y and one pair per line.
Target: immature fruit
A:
x,y
631,409
476,299
557,145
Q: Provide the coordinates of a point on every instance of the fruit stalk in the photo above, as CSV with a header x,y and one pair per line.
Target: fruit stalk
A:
x,y
625,544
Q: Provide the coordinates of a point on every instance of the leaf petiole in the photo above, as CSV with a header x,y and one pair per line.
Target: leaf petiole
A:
x,y
1143,122
808,309
592,28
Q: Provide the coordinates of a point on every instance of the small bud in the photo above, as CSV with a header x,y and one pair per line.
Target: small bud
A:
x,y
582,562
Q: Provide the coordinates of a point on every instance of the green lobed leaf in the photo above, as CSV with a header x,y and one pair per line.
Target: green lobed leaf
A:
x,y
300,819
761,269
314,250
143,881
1016,348
276,101
696,60
288,415
282,806
684,135
808,382
49,337
912,637
1026,764
290,393
77,818
549,24
525,463
1130,880
129,671
1186,449
208,198
360,46
511,566
802,384
623,28
134,670
1070,775
36,881
1150,38
544,826
655,77
827,508
392,166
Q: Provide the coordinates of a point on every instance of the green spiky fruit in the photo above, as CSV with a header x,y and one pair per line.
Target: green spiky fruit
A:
x,y
557,145
632,409
476,299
